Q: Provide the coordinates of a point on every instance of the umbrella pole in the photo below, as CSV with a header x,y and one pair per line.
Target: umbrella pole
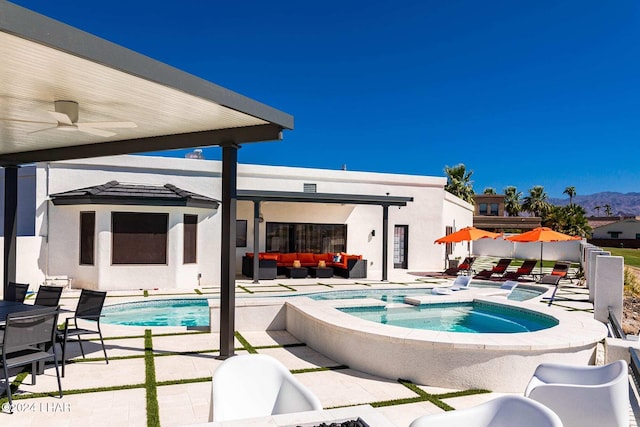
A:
x,y
541,243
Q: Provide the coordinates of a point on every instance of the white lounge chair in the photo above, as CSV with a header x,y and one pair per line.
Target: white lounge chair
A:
x,y
509,285
583,395
256,385
505,411
461,283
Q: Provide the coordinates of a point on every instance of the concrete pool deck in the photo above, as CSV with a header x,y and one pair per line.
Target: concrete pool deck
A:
x,y
172,366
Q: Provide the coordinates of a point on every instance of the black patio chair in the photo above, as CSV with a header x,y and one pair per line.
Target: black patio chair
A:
x,y
48,296
24,339
16,292
88,311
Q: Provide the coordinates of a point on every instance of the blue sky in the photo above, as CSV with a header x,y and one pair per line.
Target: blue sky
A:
x,y
523,93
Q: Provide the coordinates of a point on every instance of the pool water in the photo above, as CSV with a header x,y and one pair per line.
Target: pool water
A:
x,y
194,312
473,317
169,312
397,295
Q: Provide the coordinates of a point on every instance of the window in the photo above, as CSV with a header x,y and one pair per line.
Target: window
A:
x,y
637,236
139,238
614,234
316,238
190,250
87,237
494,209
241,233
448,246
482,209
309,187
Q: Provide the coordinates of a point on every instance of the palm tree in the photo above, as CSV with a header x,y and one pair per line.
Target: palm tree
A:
x,y
571,192
489,191
512,200
607,210
459,182
597,209
571,219
536,202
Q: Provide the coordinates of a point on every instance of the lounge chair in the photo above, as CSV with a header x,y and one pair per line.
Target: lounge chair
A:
x,y
509,285
524,270
583,395
551,279
499,268
560,269
461,283
257,385
454,271
500,412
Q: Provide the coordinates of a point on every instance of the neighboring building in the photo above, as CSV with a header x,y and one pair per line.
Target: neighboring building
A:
x,y
490,215
620,234
598,221
139,222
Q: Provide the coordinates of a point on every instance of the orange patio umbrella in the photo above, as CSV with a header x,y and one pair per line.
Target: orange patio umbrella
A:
x,y
467,234
541,235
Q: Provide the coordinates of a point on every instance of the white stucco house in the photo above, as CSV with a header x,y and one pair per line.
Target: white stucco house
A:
x,y
625,229
143,222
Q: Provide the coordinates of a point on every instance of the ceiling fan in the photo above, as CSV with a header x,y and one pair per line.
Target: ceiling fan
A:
x,y
66,115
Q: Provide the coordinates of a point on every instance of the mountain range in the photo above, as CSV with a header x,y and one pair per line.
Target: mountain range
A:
x,y
622,204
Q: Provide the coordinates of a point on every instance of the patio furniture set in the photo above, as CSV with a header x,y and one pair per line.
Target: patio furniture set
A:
x,y
299,265
29,332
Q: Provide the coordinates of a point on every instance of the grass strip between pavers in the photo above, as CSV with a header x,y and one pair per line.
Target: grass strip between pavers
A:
x,y
244,288
14,387
153,411
247,346
423,396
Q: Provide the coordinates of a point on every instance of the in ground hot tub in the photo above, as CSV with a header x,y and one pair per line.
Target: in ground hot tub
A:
x,y
459,360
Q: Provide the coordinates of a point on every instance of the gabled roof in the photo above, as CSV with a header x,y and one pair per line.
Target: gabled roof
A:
x,y
115,193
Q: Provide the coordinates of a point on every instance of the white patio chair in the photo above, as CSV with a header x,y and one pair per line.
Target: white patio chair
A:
x,y
461,283
256,385
583,395
505,411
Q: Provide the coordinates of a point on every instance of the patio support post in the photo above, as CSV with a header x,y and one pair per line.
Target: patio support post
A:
x,y
385,240
256,241
10,225
228,249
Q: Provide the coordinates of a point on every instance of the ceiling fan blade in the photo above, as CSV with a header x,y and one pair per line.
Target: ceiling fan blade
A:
x,y
113,125
25,121
96,132
61,118
42,130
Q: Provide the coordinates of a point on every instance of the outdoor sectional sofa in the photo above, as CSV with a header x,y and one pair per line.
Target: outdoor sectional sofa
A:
x,y
273,263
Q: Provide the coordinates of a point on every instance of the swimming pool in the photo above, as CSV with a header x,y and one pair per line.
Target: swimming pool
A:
x,y
520,293
472,317
194,312
168,312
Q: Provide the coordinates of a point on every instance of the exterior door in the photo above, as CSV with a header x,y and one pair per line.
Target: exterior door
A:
x,y
400,246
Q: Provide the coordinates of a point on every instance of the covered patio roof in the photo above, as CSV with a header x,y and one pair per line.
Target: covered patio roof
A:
x,y
347,199
44,60
258,196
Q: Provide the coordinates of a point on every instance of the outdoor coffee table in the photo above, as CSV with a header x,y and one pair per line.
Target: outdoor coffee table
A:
x,y
297,272
321,272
